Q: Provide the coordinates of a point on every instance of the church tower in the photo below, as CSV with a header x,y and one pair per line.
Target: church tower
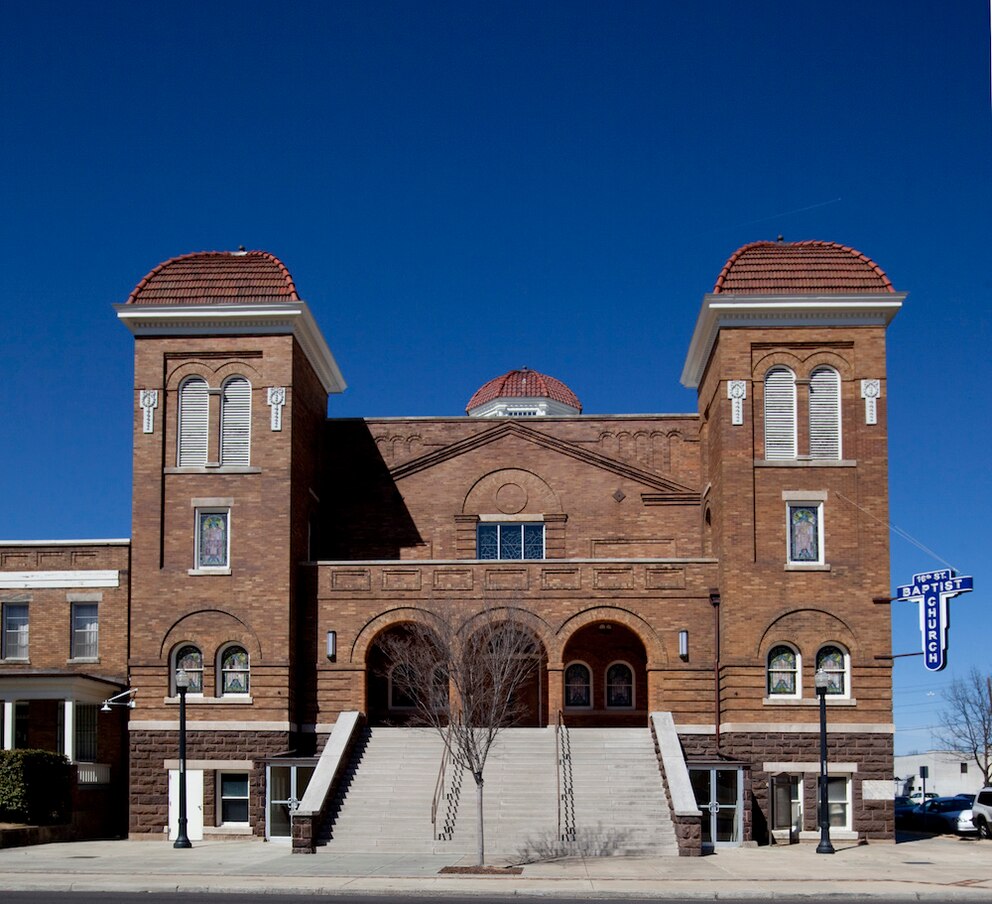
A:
x,y
231,380
788,358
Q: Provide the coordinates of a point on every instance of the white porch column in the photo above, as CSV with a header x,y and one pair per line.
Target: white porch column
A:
x,y
8,724
69,731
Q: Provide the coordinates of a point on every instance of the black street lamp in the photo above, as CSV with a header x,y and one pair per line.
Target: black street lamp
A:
x,y
822,681
182,685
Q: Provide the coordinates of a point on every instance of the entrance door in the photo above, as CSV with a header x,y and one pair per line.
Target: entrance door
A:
x,y
720,795
194,804
284,789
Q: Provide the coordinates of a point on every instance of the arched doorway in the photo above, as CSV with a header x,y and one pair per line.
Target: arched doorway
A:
x,y
604,681
503,656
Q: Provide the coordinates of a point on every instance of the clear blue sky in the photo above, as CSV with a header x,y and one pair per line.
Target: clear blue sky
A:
x,y
460,188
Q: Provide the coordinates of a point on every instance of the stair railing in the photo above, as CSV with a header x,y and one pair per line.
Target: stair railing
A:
x,y
439,784
564,787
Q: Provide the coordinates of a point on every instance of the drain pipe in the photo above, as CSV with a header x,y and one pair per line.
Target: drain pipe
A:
x,y
715,603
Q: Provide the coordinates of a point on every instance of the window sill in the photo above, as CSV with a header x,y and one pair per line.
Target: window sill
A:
x,y
87,659
213,469
806,463
15,659
806,566
198,700
807,701
202,572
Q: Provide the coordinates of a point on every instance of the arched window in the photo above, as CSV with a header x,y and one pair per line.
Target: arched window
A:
x,y
620,686
780,414
234,671
235,423
835,663
824,413
194,416
783,672
578,685
190,660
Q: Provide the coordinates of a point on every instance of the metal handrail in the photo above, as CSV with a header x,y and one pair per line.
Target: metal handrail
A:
x,y
439,784
560,721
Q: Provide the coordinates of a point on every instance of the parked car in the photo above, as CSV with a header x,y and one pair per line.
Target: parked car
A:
x,y
943,814
917,796
904,807
982,812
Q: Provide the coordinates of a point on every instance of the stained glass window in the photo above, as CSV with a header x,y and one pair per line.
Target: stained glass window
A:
x,y
619,685
190,660
804,533
510,541
833,663
234,671
578,685
212,539
782,671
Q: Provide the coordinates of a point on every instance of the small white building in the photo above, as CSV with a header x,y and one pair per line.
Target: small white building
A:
x,y
949,773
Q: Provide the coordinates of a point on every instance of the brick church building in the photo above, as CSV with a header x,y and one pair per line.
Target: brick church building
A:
x,y
698,566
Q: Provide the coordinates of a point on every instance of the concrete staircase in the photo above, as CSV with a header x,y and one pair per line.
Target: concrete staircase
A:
x,y
384,801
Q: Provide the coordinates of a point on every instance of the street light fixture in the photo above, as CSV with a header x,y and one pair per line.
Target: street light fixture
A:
x,y
182,685
822,682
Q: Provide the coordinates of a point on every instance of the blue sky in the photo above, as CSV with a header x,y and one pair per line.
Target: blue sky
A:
x,y
460,188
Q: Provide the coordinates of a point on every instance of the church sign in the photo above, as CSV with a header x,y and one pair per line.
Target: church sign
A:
x,y
931,590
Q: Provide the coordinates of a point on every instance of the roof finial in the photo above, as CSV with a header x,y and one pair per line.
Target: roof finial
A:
x,y
780,239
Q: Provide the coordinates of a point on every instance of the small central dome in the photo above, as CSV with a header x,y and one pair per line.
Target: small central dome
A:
x,y
523,393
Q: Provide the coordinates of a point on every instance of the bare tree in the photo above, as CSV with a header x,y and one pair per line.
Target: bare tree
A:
x,y
463,675
967,720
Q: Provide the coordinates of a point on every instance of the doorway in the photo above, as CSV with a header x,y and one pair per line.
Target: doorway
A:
x,y
719,793
284,789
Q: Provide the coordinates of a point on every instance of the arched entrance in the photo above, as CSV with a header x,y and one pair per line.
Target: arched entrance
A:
x,y
604,681
504,655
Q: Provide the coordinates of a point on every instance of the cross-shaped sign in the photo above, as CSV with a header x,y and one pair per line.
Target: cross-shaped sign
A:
x,y
932,590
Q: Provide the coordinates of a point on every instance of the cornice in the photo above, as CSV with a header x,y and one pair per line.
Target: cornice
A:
x,y
725,310
289,318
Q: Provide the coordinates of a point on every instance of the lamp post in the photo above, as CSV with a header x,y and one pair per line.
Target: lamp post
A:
x,y
182,685
822,681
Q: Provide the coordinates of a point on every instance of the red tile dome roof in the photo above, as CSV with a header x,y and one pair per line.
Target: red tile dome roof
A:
x,y
217,277
801,268
527,384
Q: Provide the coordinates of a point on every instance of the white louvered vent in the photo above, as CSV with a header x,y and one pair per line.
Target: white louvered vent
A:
x,y
824,413
235,424
194,413
780,414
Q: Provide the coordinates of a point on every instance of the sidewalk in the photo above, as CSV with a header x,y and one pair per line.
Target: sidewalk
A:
x,y
935,869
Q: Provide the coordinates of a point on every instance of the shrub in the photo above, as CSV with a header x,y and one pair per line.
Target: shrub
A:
x,y
35,787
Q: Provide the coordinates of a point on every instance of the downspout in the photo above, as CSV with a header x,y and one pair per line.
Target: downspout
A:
x,y
715,603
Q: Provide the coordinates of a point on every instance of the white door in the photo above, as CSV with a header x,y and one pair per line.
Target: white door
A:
x,y
194,804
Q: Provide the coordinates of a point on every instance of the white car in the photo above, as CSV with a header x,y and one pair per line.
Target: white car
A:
x,y
917,796
981,811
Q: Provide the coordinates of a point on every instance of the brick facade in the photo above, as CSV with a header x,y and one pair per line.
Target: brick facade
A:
x,y
654,525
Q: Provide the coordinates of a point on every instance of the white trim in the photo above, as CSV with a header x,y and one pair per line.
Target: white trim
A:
x,y
723,310
81,688
197,699
804,495
821,556
510,519
211,510
119,541
207,725
232,765
832,700
798,693
27,580
846,695
291,318
810,728
810,766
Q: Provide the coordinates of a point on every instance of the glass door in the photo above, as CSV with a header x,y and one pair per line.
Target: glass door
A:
x,y
284,789
720,795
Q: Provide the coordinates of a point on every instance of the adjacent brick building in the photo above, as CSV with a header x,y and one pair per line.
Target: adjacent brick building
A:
x,y
703,564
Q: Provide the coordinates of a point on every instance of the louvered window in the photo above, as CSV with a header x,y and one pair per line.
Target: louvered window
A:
x,y
194,414
824,413
235,423
780,414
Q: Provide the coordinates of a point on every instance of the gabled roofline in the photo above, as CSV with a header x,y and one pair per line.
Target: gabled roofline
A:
x,y
278,318
726,310
510,427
